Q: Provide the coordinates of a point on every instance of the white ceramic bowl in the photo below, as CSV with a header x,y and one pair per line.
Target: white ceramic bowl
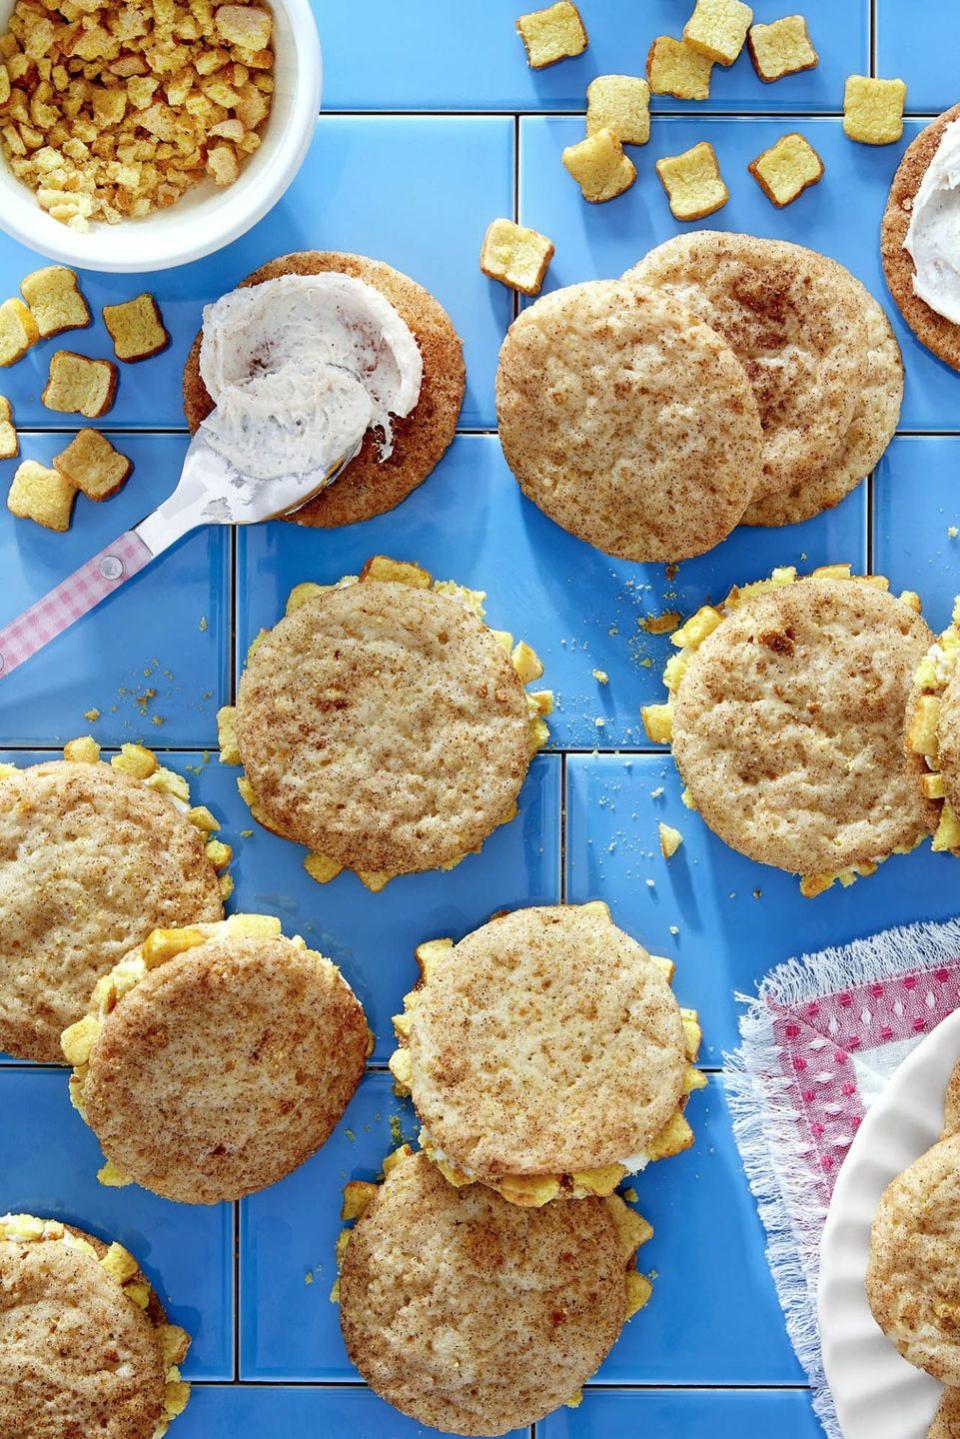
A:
x,y
207,218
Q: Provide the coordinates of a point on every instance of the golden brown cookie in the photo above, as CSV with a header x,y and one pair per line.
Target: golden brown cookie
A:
x,y
368,487
946,1425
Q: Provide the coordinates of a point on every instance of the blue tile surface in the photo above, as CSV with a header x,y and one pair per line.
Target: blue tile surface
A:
x,y
918,44
916,504
684,1414
251,1412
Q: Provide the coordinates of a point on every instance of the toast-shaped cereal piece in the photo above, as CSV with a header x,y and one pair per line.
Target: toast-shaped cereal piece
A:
x,y
516,256
600,167
42,495
693,182
9,439
781,48
788,168
136,328
620,103
55,301
556,33
18,331
80,386
675,68
92,465
245,25
718,29
873,110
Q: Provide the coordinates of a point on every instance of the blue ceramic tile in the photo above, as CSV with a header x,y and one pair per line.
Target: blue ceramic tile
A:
x,y
256,1411
166,630
417,192
916,503
918,44
425,57
50,1163
579,609
685,1414
597,241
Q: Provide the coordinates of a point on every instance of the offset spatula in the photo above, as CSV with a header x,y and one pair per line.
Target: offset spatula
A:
x,y
211,492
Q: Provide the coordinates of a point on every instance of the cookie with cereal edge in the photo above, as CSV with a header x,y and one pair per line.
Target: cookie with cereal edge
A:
x,y
598,1085
85,1346
787,716
216,1059
383,725
476,1317
628,421
368,487
933,733
93,856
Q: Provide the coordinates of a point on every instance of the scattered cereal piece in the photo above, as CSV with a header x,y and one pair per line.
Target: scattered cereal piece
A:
x,y
516,256
55,301
42,495
9,439
92,465
693,182
781,48
788,168
718,29
244,25
556,33
873,110
600,167
670,839
675,68
136,328
953,531
663,624
78,385
91,716
18,331
601,677
620,103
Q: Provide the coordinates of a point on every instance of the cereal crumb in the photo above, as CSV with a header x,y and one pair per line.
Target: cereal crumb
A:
x,y
600,167
601,677
675,68
786,169
516,256
555,33
91,715
718,29
873,110
693,182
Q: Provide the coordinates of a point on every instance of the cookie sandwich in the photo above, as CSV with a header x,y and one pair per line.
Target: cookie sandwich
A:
x,y
93,856
383,725
471,1315
786,718
819,352
215,1059
546,1055
319,355
933,733
85,1346
628,421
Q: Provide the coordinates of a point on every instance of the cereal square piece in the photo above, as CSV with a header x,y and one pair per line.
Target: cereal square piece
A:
x,y
9,439
787,169
136,328
55,301
18,331
516,256
693,182
873,110
781,48
42,495
620,103
245,25
600,167
92,465
78,385
675,68
556,33
718,29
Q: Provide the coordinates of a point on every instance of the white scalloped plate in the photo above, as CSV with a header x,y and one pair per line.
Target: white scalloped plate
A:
x,y
879,1395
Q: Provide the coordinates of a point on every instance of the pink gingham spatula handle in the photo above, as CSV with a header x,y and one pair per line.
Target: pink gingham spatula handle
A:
x,y
72,598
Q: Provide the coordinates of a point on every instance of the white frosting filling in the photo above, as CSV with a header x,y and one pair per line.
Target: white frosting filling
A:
x,y
299,369
933,238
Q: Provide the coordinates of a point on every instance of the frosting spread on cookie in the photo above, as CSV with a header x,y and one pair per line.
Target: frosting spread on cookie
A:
x,y
933,238
299,369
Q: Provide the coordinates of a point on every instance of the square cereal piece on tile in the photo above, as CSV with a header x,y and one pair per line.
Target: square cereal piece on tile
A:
x,y
516,256
80,386
55,301
873,110
600,167
42,495
718,29
781,48
675,68
556,33
9,439
787,169
620,103
92,465
693,183
136,328
18,331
